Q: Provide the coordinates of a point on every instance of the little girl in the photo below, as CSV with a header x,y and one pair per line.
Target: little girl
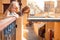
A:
x,y
13,9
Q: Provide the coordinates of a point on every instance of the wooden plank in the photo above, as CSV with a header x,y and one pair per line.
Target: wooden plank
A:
x,y
18,29
1,7
37,26
49,26
25,22
6,1
4,23
0,35
57,31
3,36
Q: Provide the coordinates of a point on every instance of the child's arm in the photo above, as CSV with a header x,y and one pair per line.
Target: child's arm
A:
x,y
16,15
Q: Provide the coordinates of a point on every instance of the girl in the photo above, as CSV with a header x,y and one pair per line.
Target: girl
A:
x,y
13,9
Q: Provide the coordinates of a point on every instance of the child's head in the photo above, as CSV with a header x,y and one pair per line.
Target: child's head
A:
x,y
14,7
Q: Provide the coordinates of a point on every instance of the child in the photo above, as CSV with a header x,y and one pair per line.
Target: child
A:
x,y
13,9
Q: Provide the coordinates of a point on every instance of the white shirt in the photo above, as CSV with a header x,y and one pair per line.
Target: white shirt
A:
x,y
12,14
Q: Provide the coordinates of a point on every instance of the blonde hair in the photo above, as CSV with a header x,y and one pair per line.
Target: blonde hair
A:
x,y
11,5
17,4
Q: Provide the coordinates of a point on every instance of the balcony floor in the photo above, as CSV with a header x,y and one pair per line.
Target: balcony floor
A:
x,y
31,35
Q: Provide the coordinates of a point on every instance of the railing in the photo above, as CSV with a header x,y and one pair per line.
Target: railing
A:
x,y
8,29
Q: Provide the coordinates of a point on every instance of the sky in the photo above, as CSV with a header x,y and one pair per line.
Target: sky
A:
x,y
40,3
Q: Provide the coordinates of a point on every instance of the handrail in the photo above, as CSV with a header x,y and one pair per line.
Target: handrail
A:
x,y
5,22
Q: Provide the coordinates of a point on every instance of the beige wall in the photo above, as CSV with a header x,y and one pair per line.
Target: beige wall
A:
x,y
24,3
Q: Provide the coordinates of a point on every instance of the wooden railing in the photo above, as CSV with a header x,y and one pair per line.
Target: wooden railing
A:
x,y
8,29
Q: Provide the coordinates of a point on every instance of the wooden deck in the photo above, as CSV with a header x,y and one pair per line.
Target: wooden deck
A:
x,y
31,34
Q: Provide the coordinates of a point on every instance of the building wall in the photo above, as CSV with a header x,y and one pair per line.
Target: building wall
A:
x,y
48,6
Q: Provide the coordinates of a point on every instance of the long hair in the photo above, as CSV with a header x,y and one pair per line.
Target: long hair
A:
x,y
11,5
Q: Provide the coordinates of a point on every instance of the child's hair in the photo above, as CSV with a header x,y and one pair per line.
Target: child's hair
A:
x,y
11,5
